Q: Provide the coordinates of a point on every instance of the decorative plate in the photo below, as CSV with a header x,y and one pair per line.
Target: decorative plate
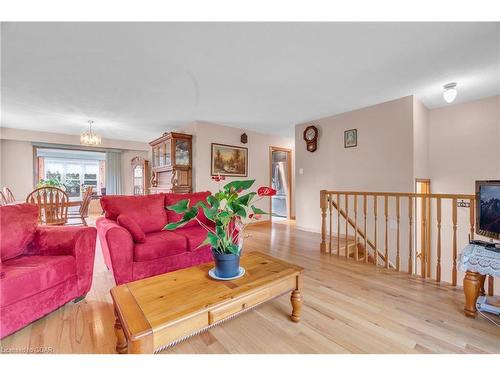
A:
x,y
212,274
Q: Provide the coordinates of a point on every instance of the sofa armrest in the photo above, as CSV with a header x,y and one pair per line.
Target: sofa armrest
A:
x,y
63,240
117,248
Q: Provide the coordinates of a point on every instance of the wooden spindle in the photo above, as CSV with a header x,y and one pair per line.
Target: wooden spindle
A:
x,y
397,235
410,235
356,227
423,241
438,217
454,218
322,198
330,217
386,235
338,224
347,226
375,229
428,238
364,228
472,218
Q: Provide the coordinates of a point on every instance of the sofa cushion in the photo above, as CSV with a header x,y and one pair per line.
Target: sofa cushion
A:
x,y
171,199
131,225
159,245
147,210
18,225
194,235
26,276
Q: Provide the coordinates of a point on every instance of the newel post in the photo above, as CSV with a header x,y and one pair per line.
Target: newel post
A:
x,y
322,203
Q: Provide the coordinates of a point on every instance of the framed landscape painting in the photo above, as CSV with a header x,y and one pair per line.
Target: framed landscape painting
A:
x,y
229,160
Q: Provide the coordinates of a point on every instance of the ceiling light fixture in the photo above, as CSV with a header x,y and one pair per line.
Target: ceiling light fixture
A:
x,y
450,92
90,137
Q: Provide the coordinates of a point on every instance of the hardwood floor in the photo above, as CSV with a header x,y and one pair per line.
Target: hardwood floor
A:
x,y
348,307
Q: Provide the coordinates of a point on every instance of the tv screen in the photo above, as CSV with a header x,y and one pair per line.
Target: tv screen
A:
x,y
488,208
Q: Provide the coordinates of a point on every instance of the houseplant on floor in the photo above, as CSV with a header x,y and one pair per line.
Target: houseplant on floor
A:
x,y
230,210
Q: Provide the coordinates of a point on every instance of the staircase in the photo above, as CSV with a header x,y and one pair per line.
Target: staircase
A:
x,y
397,231
352,246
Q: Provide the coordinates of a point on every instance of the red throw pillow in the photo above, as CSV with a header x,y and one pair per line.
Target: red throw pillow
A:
x,y
171,199
130,224
148,211
18,224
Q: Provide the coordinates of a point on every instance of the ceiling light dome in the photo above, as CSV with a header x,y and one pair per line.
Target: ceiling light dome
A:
x,y
450,92
90,137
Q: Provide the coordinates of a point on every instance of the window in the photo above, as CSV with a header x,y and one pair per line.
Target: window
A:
x,y
74,174
75,169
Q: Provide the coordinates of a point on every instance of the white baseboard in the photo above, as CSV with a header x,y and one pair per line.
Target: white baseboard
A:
x,y
308,229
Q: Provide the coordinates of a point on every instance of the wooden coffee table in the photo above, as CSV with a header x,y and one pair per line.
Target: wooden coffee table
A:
x,y
155,313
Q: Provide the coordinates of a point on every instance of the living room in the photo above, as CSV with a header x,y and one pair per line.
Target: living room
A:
x,y
250,188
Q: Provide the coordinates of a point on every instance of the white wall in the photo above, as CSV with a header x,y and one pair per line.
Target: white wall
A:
x,y
17,167
17,157
206,133
464,145
382,161
420,140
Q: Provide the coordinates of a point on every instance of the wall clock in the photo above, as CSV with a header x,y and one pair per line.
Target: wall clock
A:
x,y
311,138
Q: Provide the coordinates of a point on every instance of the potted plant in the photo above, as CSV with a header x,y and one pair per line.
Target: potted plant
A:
x,y
230,210
51,182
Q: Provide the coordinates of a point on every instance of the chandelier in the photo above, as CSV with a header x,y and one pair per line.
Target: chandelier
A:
x,y
90,137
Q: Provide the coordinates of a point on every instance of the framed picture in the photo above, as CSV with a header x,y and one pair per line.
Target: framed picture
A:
x,y
350,138
229,160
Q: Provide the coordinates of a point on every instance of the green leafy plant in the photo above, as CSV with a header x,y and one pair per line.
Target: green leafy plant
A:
x,y
231,209
53,182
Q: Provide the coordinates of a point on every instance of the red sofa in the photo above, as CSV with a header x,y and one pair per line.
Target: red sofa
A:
x,y
41,267
133,241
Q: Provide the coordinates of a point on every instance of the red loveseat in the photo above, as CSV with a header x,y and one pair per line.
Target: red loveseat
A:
x,y
41,267
133,241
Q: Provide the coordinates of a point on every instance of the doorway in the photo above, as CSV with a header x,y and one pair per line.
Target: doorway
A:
x,y
423,231
280,176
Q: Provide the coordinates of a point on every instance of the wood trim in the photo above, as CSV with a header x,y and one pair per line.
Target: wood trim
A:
x,y
396,194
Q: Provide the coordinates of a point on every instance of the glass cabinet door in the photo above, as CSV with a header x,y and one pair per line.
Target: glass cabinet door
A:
x,y
168,157
182,152
156,156
161,155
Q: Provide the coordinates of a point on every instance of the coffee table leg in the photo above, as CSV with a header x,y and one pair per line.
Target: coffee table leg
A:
x,y
121,341
296,299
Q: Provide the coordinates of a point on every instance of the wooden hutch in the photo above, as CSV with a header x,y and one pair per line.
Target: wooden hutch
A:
x,y
171,163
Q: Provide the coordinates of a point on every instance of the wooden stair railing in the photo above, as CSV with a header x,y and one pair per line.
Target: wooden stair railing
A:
x,y
367,241
399,214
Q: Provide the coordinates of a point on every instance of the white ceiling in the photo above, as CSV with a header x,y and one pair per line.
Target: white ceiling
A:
x,y
137,80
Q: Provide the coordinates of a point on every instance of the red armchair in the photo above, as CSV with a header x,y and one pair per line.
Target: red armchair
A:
x,y
41,268
133,241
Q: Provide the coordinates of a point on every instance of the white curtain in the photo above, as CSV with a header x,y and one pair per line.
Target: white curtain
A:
x,y
113,173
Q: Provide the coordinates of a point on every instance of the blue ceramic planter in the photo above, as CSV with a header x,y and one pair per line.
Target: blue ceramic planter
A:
x,y
226,265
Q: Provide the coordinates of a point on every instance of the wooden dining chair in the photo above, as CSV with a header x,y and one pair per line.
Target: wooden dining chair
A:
x,y
52,205
83,210
8,195
3,199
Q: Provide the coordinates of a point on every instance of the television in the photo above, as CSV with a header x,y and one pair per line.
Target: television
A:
x,y
488,208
